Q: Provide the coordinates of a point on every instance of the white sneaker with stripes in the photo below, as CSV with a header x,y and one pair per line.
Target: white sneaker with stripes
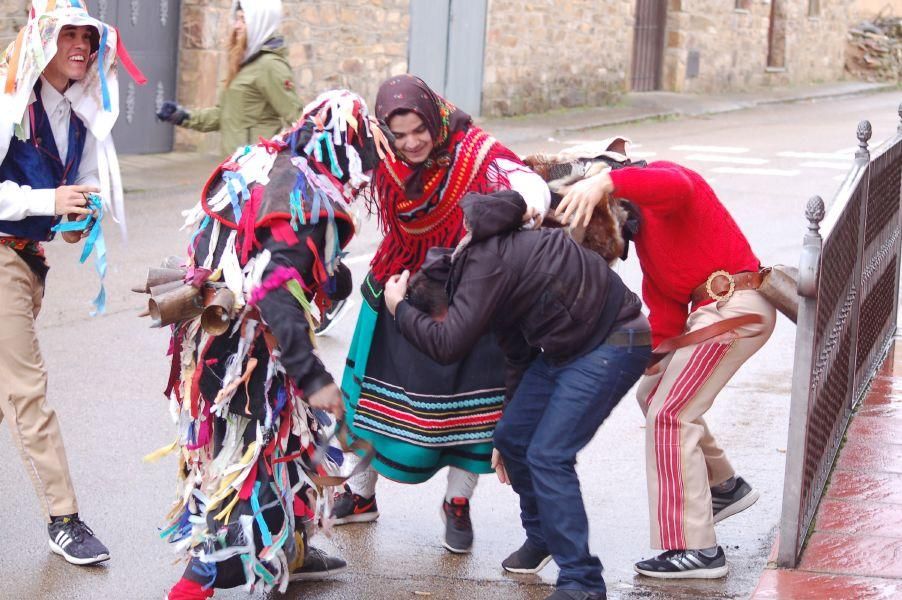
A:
x,y
684,564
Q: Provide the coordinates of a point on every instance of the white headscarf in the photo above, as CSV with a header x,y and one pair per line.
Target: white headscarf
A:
x,y
95,99
262,18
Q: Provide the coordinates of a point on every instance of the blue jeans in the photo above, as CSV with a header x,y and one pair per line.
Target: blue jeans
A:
x,y
554,413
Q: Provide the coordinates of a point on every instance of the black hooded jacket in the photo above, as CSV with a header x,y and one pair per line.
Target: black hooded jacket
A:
x,y
538,291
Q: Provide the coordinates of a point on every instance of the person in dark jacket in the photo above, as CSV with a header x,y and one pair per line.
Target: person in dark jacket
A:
x,y
575,342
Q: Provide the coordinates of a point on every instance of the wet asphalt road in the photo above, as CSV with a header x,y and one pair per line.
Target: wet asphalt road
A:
x,y
106,377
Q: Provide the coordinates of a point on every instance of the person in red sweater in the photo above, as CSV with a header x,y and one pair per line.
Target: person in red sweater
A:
x,y
700,280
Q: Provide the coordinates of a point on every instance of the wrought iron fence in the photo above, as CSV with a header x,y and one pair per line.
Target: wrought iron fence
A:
x,y
849,288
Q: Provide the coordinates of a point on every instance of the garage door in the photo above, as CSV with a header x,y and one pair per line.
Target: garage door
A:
x,y
150,30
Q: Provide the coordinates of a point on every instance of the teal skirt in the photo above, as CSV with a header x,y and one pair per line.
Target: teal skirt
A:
x,y
419,416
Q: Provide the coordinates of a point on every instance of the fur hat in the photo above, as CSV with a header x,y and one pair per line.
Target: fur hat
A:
x,y
614,221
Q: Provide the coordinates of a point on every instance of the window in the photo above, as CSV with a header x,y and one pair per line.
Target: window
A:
x,y
743,4
814,8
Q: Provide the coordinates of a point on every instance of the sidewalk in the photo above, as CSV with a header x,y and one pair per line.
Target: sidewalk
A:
x,y
662,105
141,172
854,550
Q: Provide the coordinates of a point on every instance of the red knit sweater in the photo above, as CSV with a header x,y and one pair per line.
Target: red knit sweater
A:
x,y
686,234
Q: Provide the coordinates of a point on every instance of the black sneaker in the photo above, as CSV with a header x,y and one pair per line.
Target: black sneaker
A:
x,y
74,541
526,559
576,595
458,528
329,318
354,508
318,565
735,501
684,564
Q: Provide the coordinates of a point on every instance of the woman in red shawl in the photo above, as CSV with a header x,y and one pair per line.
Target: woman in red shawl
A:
x,y
418,415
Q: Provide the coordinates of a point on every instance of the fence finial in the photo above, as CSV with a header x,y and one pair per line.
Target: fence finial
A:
x,y
864,134
811,248
814,212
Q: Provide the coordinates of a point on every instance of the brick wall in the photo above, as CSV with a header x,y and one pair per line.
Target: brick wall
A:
x,y
332,43
547,54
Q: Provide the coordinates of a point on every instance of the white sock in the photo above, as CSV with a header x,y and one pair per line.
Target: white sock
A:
x,y
461,484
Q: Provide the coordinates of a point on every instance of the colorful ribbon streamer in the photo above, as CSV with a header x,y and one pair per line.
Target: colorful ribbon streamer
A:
x,y
233,180
94,241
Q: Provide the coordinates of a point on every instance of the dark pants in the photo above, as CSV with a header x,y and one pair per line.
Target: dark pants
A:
x,y
554,413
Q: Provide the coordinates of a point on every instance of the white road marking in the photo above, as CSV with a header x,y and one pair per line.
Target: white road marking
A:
x,y
736,160
711,149
754,171
816,155
363,258
820,164
583,142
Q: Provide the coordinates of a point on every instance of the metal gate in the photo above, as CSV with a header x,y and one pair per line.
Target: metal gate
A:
x,y
446,48
150,30
648,45
849,295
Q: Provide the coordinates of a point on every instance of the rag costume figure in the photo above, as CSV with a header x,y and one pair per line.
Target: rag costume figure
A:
x,y
700,280
259,98
59,103
575,341
419,415
247,388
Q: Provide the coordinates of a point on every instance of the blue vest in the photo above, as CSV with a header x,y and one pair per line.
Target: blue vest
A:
x,y
36,163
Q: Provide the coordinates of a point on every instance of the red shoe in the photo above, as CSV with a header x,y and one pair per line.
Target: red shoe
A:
x,y
186,589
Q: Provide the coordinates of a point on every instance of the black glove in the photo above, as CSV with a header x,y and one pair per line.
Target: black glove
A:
x,y
172,112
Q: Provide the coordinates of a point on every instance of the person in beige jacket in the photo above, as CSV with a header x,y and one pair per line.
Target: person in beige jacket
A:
x,y
259,98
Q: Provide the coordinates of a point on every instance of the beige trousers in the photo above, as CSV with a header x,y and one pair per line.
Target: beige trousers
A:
x,y
682,458
23,387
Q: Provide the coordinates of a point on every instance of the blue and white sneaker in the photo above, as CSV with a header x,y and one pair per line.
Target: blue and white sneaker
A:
x,y
684,564
74,541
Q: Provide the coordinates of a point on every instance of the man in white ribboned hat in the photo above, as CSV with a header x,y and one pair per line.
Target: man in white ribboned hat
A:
x,y
58,104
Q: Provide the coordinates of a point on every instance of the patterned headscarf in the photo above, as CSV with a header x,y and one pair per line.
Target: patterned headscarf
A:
x,y
409,93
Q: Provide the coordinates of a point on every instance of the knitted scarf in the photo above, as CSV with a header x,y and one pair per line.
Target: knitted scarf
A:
x,y
414,225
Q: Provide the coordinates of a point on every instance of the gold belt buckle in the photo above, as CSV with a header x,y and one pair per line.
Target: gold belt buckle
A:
x,y
728,294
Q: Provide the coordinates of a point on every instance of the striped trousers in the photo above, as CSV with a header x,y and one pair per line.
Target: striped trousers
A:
x,y
682,458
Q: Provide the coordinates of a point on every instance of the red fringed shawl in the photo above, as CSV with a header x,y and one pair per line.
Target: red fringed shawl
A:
x,y
412,226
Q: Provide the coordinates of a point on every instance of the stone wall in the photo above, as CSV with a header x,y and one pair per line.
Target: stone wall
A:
x,y
332,43
13,14
539,54
868,9
548,54
732,44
